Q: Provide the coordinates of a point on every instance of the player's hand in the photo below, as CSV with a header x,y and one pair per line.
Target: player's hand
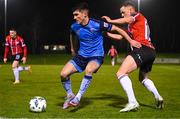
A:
x,y
5,60
135,44
73,52
23,60
108,19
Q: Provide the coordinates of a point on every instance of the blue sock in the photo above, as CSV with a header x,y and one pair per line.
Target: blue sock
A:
x,y
84,85
67,85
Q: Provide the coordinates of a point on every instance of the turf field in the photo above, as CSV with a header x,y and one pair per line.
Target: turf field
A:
x,y
103,99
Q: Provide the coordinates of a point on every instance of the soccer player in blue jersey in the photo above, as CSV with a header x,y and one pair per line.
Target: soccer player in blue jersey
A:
x,y
90,54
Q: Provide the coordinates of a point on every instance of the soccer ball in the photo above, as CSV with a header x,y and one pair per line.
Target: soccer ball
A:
x,y
37,104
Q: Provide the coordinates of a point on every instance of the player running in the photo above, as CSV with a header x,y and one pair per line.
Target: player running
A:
x,y
113,53
18,53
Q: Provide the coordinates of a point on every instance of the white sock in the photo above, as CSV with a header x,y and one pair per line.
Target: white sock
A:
x,y
151,87
21,68
16,74
127,86
84,85
26,68
113,63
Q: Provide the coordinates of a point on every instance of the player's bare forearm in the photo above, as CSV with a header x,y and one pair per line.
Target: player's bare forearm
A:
x,y
126,36
72,45
121,32
114,36
116,21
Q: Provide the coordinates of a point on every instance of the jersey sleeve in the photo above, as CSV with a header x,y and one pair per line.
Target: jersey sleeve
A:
x,y
72,32
6,43
22,42
23,45
6,51
104,26
73,29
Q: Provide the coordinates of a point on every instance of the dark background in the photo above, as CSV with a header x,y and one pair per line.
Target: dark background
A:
x,y
42,22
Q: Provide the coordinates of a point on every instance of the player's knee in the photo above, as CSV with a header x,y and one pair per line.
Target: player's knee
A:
x,y
89,71
63,75
120,74
14,67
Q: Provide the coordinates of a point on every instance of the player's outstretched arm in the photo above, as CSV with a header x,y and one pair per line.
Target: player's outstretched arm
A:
x,y
119,21
114,36
125,20
126,36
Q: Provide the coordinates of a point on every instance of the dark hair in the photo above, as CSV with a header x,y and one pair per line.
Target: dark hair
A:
x,y
12,29
130,3
81,6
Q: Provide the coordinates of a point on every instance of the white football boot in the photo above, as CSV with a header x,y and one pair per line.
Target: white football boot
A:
x,y
130,107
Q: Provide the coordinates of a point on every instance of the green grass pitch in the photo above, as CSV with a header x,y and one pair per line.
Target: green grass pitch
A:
x,y
103,99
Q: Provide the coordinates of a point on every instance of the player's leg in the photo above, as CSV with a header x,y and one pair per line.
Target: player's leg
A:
x,y
113,61
148,55
26,68
91,67
128,66
65,73
143,78
15,71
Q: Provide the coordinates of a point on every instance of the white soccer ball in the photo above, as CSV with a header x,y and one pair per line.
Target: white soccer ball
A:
x,y
37,104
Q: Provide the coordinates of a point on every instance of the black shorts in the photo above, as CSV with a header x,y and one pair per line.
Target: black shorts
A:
x,y
16,57
81,62
112,57
144,57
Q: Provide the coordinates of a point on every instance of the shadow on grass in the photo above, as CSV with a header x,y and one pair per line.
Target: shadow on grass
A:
x,y
84,102
149,106
117,102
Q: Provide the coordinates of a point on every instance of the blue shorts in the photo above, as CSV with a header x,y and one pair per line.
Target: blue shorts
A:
x,y
81,62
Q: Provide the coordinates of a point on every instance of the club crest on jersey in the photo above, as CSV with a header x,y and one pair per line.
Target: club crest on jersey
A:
x,y
92,30
105,25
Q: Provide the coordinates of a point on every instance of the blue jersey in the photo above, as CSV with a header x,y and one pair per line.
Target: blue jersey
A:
x,y
90,37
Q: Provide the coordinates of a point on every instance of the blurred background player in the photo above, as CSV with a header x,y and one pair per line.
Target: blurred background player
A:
x,y
142,57
18,53
90,54
113,54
